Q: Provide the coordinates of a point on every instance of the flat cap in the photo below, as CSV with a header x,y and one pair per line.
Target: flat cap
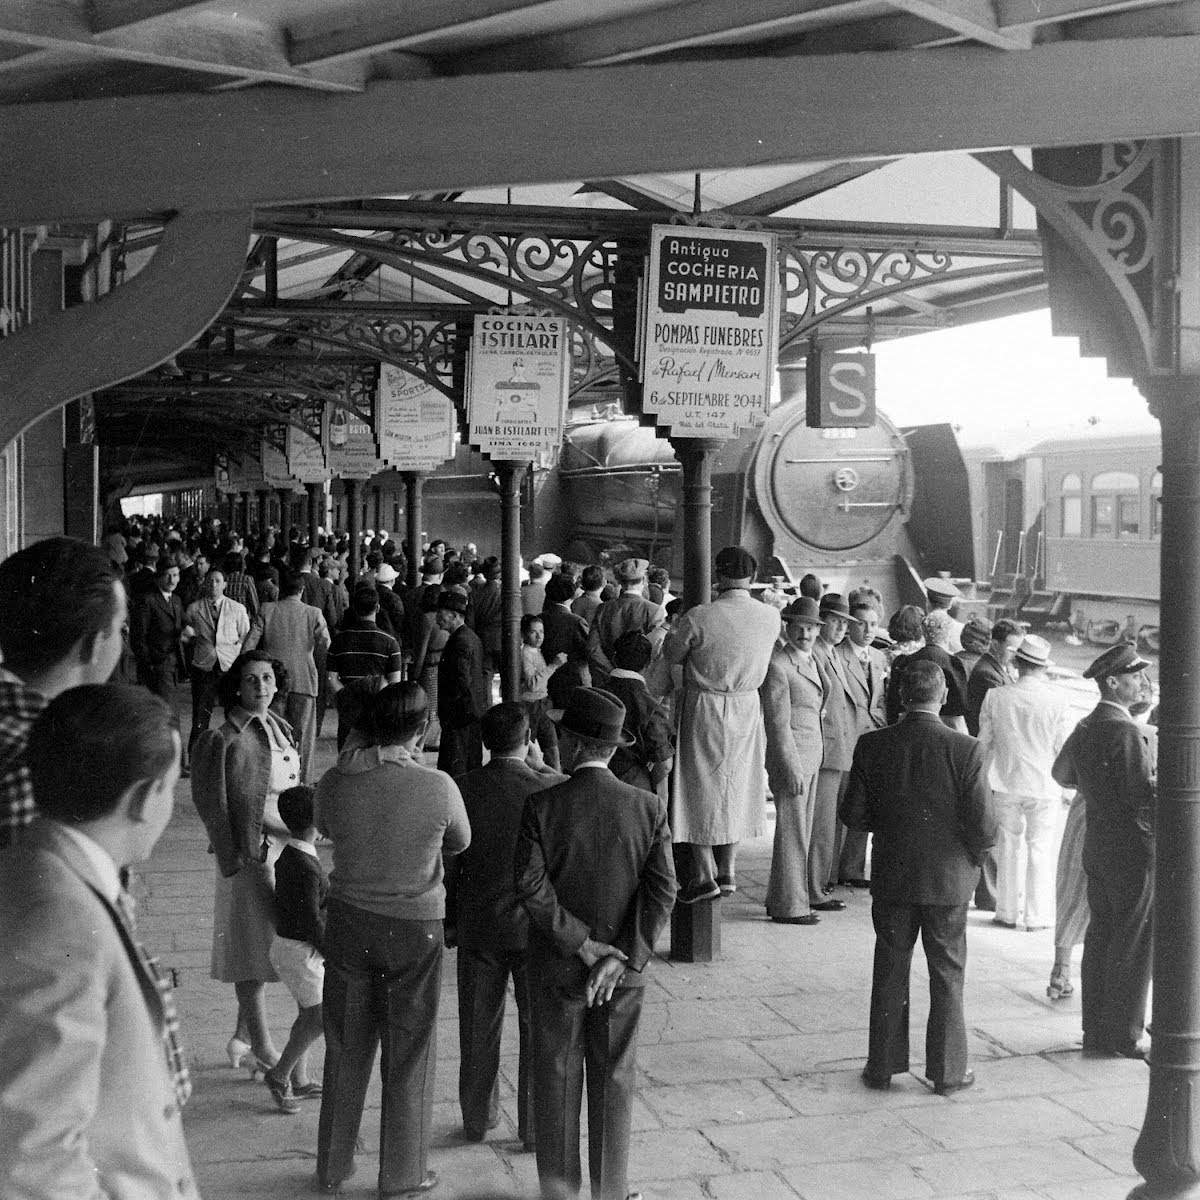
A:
x,y
631,570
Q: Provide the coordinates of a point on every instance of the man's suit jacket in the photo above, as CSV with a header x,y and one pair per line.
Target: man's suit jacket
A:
x,y
594,859
921,789
613,618
481,898
868,688
793,695
986,674
567,634
839,717
1110,758
463,690
294,633
158,623
953,672
487,616
87,1103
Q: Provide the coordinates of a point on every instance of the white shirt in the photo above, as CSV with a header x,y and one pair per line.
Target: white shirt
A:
x,y
1022,728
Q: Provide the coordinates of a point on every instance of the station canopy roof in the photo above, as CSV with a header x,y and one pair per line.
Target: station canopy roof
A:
x,y
900,239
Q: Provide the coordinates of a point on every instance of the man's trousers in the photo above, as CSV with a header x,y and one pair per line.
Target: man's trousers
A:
x,y
1027,823
568,1039
482,982
788,893
1115,973
382,980
822,855
943,930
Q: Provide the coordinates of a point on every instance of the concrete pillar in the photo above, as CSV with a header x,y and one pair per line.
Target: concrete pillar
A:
x,y
414,491
1167,1153
510,577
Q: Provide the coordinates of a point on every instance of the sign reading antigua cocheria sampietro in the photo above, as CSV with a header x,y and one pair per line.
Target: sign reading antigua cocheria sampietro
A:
x,y
517,379
709,329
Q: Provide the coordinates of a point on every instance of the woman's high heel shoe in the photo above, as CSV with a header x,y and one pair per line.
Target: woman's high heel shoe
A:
x,y
258,1067
238,1051
281,1093
1060,985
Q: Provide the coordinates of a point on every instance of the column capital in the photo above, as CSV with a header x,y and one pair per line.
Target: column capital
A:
x,y
1165,392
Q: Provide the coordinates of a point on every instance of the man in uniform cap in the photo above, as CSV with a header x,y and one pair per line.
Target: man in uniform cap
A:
x,y
593,870
1110,758
718,784
942,594
630,610
1021,729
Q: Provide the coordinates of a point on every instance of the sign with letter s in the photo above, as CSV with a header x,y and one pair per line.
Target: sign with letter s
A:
x,y
840,390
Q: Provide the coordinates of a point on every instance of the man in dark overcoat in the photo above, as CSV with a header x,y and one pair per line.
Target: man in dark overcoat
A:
x,y
1110,758
463,689
595,873
921,789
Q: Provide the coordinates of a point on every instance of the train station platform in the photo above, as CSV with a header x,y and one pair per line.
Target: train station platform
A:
x,y
749,1069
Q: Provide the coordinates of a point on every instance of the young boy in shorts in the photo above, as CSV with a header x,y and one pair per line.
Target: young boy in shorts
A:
x,y
301,885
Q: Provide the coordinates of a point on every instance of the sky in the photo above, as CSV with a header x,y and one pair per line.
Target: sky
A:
x,y
1007,382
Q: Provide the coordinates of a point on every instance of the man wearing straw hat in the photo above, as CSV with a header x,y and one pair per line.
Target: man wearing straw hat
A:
x,y
1021,730
593,869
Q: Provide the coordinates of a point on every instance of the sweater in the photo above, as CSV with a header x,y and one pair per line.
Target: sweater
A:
x,y
390,820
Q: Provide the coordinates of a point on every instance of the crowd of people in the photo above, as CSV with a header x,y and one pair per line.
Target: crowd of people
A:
x,y
549,844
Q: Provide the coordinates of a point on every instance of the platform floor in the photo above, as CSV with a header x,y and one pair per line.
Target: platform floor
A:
x,y
749,1069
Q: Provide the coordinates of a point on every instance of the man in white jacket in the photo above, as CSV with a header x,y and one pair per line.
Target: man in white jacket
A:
x,y
1021,729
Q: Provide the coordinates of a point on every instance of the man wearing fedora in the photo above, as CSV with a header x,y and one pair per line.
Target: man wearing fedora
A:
x,y
629,610
718,785
921,789
1110,758
463,689
792,698
839,732
593,869
1021,729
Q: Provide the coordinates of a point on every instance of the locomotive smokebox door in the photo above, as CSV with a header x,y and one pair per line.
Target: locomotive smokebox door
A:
x,y
830,490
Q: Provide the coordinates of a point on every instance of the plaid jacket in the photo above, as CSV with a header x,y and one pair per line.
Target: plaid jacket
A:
x,y
19,707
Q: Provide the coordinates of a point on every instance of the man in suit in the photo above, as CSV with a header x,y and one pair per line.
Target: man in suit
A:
x,y
839,732
489,923
157,629
565,633
487,616
867,671
921,789
629,610
464,691
792,698
92,1075
1111,760
296,634
594,872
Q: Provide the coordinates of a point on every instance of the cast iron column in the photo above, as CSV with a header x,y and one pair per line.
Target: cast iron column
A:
x,y
414,488
378,508
244,527
1167,1153
316,493
510,577
353,525
262,495
696,928
285,514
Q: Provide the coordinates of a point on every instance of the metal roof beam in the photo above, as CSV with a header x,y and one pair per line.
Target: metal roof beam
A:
x,y
630,193
972,19
766,203
76,161
1029,14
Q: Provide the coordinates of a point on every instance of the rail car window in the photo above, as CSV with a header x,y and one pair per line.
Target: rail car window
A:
x,y
1156,505
1072,506
1116,504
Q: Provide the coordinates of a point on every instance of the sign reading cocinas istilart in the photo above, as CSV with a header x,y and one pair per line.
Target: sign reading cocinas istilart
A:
x,y
709,329
517,380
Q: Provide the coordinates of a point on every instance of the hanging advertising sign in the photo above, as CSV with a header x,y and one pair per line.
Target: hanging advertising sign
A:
x,y
305,457
352,453
274,466
839,390
709,329
415,421
518,379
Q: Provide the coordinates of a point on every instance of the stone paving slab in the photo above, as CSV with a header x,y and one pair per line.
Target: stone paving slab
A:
x,y
748,1070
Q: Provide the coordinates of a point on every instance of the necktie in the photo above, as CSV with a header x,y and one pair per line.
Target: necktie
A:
x,y
172,1044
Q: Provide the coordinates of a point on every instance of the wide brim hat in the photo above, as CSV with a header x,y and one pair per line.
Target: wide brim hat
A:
x,y
1116,660
454,601
937,586
596,714
1035,650
631,570
804,610
833,605
386,573
736,563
